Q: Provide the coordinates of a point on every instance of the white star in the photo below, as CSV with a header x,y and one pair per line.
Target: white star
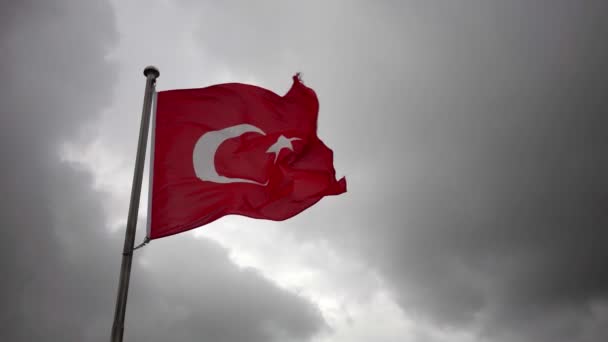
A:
x,y
281,143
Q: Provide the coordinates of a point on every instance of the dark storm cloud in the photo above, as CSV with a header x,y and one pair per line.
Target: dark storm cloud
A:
x,y
47,65
59,263
473,134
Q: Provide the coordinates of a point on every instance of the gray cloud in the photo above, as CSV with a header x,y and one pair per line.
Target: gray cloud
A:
x,y
59,262
481,195
236,304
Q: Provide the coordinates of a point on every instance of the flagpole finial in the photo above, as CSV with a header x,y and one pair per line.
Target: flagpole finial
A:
x,y
151,70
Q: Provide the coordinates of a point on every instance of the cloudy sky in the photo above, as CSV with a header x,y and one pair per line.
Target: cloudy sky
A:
x,y
472,134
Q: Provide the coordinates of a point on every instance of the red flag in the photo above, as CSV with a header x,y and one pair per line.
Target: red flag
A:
x,y
237,149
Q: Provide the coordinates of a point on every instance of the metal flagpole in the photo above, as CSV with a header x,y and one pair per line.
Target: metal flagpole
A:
x,y
151,74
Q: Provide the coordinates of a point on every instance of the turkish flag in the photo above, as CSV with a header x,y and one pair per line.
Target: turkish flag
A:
x,y
236,149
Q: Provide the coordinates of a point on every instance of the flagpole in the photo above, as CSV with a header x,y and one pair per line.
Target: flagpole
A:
x,y
151,74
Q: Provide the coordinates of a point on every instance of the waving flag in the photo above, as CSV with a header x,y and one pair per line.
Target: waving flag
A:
x,y
237,149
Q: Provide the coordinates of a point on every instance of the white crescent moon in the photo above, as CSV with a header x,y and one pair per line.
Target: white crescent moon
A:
x,y
206,146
